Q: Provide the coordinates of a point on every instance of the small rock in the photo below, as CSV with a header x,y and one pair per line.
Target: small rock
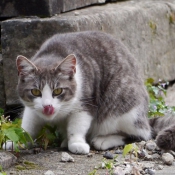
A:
x,y
150,171
118,171
167,158
90,155
7,159
65,157
142,144
151,145
160,167
76,13
148,157
128,169
103,165
148,165
155,156
118,151
108,155
49,172
142,153
135,171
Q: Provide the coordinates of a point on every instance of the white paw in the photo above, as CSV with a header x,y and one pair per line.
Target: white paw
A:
x,y
9,145
101,143
64,143
79,148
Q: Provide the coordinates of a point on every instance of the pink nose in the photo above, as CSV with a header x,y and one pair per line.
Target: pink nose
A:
x,y
48,110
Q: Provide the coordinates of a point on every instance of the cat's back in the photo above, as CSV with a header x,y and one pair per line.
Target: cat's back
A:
x,y
99,48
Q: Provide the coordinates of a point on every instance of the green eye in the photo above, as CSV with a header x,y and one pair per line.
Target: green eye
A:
x,y
36,92
57,92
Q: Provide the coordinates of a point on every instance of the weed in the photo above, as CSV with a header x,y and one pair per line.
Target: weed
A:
x,y
12,131
157,105
2,172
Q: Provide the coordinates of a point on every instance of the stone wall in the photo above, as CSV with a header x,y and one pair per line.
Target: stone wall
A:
x,y
147,28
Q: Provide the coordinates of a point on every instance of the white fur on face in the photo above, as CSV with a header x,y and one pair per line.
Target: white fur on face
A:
x,y
45,100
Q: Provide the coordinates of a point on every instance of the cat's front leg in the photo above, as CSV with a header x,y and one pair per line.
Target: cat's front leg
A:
x,y
31,122
78,126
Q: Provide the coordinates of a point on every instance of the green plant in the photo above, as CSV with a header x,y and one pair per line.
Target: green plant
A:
x,y
46,136
94,172
157,105
131,149
12,131
2,172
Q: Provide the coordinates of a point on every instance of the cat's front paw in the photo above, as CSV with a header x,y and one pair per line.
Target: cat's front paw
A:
x,y
79,148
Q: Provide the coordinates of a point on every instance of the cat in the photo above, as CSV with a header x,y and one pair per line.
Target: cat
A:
x,y
87,84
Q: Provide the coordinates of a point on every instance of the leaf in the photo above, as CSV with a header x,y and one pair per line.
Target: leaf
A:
x,y
10,133
149,81
1,138
127,149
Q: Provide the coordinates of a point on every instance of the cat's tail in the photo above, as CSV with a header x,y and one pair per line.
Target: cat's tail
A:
x,y
163,129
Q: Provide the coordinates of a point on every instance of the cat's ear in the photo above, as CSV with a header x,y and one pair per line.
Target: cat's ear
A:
x,y
68,65
24,65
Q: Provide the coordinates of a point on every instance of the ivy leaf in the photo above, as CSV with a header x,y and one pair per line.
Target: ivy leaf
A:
x,y
10,133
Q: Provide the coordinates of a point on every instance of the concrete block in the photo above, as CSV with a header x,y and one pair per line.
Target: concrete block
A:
x,y
147,28
2,90
43,8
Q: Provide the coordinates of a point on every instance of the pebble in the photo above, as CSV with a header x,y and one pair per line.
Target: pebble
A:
x,y
90,155
160,167
76,13
118,171
155,156
49,172
142,153
65,157
148,157
142,144
167,158
150,171
118,151
151,145
128,169
108,155
103,165
148,165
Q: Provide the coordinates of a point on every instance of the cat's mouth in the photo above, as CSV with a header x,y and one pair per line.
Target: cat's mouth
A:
x,y
48,110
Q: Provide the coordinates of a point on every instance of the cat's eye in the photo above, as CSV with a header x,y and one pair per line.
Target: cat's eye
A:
x,y
57,92
36,92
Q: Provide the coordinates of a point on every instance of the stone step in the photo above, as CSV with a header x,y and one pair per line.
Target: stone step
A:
x,y
43,8
147,28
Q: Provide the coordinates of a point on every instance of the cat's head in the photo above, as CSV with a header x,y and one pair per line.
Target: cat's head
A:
x,y
48,91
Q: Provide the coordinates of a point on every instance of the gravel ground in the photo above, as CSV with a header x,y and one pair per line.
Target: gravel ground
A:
x,y
150,160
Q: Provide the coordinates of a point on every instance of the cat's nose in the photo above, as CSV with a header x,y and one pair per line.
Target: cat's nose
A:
x,y
48,110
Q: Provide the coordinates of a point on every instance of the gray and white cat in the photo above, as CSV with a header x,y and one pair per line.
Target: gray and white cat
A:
x,y
87,84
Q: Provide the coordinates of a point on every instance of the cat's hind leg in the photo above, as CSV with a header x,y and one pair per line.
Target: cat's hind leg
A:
x,y
120,130
107,142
